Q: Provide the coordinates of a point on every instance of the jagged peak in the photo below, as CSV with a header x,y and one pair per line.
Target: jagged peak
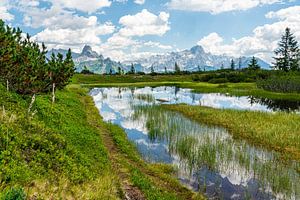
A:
x,y
197,49
88,51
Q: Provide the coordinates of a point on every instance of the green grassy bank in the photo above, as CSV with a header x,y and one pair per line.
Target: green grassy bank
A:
x,y
277,131
183,81
52,151
65,151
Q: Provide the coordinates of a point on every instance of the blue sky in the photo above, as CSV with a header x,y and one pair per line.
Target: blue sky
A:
x,y
130,29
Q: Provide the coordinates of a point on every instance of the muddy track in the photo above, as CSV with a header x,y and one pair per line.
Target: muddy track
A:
x,y
130,192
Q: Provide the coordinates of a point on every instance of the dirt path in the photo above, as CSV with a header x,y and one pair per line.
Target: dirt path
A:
x,y
128,191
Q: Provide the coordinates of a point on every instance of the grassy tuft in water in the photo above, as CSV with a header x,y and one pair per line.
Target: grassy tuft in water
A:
x,y
278,131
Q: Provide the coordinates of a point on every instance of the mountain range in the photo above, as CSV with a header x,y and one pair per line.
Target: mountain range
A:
x,y
193,59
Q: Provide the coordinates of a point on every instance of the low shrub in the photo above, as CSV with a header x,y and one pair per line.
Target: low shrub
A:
x,y
218,80
287,84
14,194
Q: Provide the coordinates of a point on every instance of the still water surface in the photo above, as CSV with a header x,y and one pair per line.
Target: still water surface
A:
x,y
208,159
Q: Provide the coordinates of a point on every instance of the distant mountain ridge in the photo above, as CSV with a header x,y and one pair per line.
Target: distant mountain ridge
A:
x,y
193,59
91,60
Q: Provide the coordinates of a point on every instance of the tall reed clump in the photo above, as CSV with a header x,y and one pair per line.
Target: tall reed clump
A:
x,y
287,84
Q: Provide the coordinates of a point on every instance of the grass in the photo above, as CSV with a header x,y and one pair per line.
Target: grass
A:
x,y
154,180
183,81
63,151
96,79
149,181
277,131
55,153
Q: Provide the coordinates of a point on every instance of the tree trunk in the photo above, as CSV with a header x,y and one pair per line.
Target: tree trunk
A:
x,y
7,85
53,92
31,103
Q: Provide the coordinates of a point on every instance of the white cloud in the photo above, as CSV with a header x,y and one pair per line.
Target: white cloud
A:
x,y
123,45
144,23
4,11
140,2
63,28
157,45
74,37
90,6
264,39
5,15
217,6
118,41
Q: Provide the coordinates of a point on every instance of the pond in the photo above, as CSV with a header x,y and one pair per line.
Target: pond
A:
x,y
208,159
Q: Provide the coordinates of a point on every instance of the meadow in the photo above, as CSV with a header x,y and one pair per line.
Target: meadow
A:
x,y
65,150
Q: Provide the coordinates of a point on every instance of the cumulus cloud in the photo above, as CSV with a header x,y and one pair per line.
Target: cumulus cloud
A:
x,y
4,11
67,36
140,2
217,6
63,28
5,15
157,45
132,28
144,23
90,6
263,40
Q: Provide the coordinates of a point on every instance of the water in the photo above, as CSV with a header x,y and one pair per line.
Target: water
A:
x,y
208,159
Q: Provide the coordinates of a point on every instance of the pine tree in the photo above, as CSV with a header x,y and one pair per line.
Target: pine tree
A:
x,y
177,68
166,70
152,70
253,65
232,65
288,53
132,70
240,63
119,70
24,67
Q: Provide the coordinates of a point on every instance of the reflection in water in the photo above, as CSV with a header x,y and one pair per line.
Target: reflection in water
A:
x,y
207,158
278,104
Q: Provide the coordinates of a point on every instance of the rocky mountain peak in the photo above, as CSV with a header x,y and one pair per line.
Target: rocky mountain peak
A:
x,y
88,51
197,50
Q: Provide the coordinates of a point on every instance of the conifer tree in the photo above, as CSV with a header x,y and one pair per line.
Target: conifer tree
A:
x,y
287,54
177,68
253,65
232,65
24,67
152,70
132,70
240,63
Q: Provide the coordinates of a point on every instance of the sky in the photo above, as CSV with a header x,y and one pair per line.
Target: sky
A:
x,y
131,29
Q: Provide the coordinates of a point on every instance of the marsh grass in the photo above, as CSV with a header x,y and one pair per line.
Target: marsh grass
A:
x,y
200,147
145,97
279,131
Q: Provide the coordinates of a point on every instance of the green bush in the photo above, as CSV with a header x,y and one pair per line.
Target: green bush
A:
x,y
244,75
218,80
285,83
14,194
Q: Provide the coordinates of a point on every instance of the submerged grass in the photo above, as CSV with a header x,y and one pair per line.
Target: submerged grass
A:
x,y
278,131
154,180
